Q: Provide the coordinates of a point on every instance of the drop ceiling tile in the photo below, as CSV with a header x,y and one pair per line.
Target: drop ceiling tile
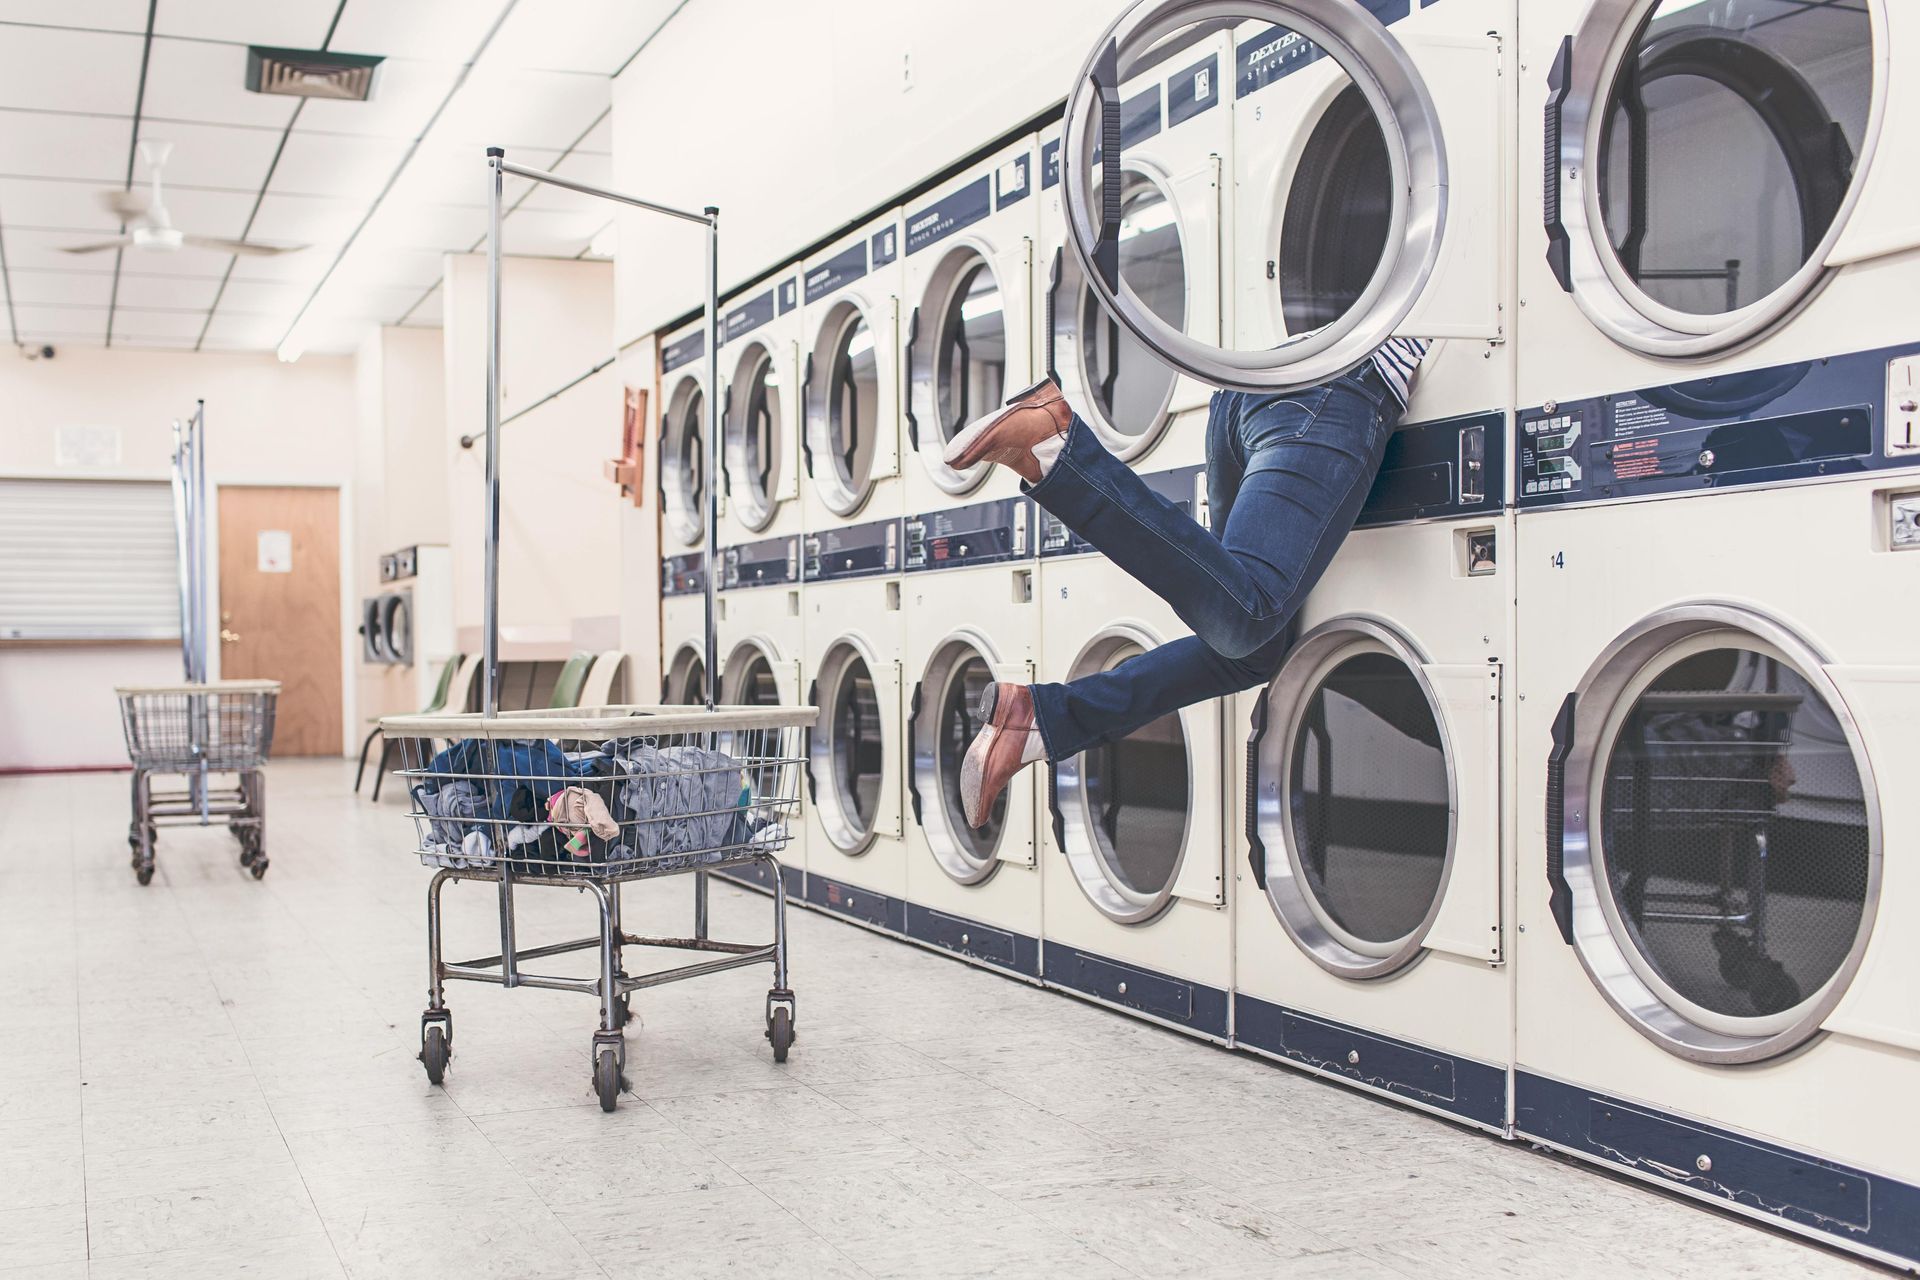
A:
x,y
245,332
305,220
503,107
558,235
337,336
291,24
264,298
167,293
405,95
419,268
441,227
198,81
327,164
63,320
41,251
180,262
130,322
209,213
428,312
230,157
304,267
38,145
431,30
45,202
449,172
54,70
149,342
596,36
596,170
62,288
99,15
599,139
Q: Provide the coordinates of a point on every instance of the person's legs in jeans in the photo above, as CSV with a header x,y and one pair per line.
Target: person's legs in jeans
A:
x,y
1286,480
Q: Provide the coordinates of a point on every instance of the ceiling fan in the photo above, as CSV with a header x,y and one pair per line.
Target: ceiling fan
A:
x,y
150,227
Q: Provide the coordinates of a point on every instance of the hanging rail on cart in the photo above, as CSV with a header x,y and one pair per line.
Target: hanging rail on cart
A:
x,y
590,800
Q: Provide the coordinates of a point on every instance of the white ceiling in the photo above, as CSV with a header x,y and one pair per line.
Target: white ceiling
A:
x,y
377,191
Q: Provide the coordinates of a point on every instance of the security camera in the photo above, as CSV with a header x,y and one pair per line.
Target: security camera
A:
x,y
42,352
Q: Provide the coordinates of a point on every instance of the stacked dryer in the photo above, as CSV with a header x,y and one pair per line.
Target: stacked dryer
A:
x,y
1135,909
682,480
1718,489
850,567
1370,943
968,540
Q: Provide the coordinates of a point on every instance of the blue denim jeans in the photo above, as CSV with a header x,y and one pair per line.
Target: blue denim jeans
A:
x,y
1286,477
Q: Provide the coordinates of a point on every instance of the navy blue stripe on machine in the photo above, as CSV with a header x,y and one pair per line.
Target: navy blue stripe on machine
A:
x,y
747,317
886,245
683,350
865,905
985,944
1471,1090
842,268
954,212
1182,486
1193,90
857,551
789,295
771,562
1050,165
1278,52
1193,1005
981,533
1012,182
1437,470
683,575
1763,1179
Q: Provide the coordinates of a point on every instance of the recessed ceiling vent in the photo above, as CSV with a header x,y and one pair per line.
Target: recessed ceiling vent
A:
x,y
310,73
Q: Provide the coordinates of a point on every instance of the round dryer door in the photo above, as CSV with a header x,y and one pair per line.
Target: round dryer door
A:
x,y
1354,799
373,638
844,416
1703,160
945,721
396,626
849,748
686,681
683,462
749,680
1721,835
1124,807
1341,197
753,438
957,358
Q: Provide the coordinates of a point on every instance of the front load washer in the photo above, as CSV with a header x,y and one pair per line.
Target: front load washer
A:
x,y
969,337
682,473
1716,742
1135,910
760,411
1726,194
1370,940
970,622
683,630
850,391
760,633
855,855
1175,168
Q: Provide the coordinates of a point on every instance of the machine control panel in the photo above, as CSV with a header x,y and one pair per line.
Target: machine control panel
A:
x,y
1185,487
772,562
684,575
983,533
1436,470
1837,416
857,551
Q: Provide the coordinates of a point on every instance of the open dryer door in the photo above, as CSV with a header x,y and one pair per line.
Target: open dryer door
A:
x,y
1348,226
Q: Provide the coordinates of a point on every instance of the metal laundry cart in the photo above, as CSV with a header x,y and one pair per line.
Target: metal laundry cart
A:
x,y
592,799
203,732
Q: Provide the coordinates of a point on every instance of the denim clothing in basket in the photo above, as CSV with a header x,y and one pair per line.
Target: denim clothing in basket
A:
x,y
1286,478
680,800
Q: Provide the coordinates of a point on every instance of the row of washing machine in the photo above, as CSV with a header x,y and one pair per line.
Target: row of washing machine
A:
x,y
1582,809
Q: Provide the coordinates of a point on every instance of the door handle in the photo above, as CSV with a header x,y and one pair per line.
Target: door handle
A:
x,y
229,637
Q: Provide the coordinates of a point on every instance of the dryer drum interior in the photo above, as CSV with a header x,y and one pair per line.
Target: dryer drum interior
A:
x,y
752,436
1125,806
960,354
749,680
1726,140
1128,387
1354,800
684,461
686,680
846,406
1731,837
944,727
849,747
1338,215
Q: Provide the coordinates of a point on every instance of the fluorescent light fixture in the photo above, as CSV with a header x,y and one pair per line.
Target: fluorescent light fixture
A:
x,y
604,241
985,305
1155,215
860,343
291,351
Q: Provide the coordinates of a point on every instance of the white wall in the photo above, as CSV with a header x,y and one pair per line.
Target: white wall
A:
x,y
560,520
267,423
822,110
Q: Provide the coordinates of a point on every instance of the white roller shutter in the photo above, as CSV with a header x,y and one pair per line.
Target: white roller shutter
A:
x,y
87,560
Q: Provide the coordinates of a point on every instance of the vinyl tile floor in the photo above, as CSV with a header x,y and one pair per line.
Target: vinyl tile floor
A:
x,y
215,1077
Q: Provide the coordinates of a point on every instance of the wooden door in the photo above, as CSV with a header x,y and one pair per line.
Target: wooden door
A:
x,y
280,607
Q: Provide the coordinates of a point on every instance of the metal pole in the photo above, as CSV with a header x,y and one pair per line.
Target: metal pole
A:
x,y
713,455
490,623
200,541
183,545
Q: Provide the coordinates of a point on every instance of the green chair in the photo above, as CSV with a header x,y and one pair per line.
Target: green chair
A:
x,y
571,681
457,666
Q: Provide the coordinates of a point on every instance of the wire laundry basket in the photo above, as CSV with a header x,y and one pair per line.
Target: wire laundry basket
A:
x,y
204,732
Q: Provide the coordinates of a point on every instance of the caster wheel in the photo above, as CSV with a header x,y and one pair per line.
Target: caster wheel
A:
x,y
143,874
434,1052
780,1032
258,866
606,1078
1773,991
247,856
